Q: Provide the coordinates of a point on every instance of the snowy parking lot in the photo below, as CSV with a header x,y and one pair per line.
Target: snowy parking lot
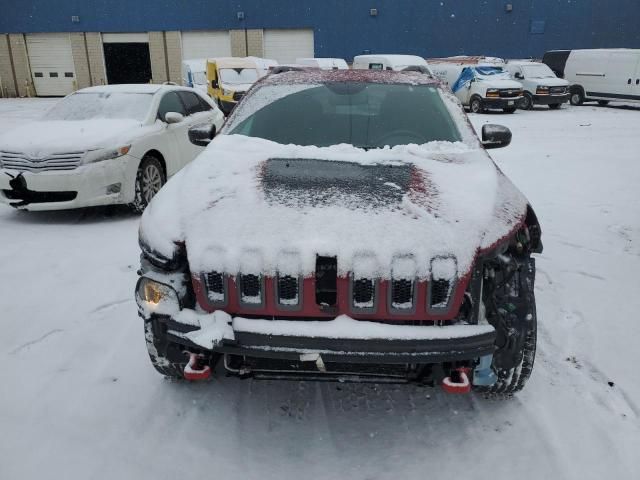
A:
x,y
80,399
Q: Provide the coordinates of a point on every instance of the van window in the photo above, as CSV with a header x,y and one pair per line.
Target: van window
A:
x,y
376,66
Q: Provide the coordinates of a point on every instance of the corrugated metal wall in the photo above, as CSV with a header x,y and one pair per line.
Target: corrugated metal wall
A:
x,y
344,28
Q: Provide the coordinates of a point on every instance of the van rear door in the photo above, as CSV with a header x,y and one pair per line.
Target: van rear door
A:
x,y
620,76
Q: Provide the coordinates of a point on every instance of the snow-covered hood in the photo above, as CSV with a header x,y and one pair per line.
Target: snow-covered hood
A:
x,y
500,83
549,82
249,204
237,87
58,136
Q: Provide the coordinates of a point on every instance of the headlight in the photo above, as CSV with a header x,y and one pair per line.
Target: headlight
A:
x,y
542,90
493,92
157,297
93,156
227,93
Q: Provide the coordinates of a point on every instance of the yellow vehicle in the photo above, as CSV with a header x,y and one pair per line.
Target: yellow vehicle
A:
x,y
229,79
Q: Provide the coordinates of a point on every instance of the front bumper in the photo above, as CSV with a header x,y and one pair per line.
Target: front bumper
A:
x,y
498,103
84,186
341,340
551,99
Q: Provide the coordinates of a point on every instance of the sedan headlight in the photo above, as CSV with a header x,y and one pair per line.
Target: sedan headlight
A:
x,y
157,297
93,156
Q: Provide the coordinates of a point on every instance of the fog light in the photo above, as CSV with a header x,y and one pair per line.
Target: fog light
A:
x,y
114,188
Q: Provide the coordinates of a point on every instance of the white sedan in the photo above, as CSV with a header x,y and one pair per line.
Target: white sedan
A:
x,y
113,144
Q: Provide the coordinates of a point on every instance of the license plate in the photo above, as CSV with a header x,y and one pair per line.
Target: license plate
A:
x,y
511,103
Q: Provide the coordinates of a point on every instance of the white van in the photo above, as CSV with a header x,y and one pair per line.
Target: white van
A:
x,y
600,75
194,74
541,86
263,65
479,86
324,63
388,62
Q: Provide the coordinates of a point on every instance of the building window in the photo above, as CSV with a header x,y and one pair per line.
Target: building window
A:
x,y
53,74
68,74
38,74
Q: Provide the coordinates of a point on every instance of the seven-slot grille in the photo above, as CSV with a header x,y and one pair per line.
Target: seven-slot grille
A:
x,y
23,162
288,290
402,294
363,293
214,282
250,288
440,293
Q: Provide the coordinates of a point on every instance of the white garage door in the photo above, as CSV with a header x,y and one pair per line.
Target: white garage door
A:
x,y
205,44
51,63
287,45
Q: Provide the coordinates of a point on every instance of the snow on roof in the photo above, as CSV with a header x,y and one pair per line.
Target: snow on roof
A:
x,y
316,77
124,88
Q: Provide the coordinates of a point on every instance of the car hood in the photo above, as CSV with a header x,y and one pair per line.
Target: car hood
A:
x,y
248,204
497,83
549,82
57,136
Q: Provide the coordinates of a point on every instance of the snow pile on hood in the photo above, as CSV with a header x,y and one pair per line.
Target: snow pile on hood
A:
x,y
61,136
455,202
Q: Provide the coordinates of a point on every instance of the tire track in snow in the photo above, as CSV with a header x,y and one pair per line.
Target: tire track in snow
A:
x,y
36,341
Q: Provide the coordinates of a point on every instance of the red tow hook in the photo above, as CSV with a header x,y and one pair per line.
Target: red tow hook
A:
x,y
195,370
458,382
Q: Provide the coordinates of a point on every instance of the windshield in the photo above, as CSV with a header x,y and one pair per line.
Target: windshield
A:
x,y
200,78
86,106
237,76
360,114
491,73
537,71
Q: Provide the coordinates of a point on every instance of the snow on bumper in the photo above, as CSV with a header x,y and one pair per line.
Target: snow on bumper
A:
x,y
343,338
87,185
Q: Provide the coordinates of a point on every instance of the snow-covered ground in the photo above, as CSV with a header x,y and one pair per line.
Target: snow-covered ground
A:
x,y
80,400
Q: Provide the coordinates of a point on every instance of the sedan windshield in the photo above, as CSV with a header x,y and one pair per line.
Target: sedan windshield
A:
x,y
365,115
237,76
537,71
89,105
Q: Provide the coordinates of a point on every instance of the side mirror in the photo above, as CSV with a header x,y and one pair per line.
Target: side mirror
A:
x,y
519,76
214,84
495,136
201,135
173,117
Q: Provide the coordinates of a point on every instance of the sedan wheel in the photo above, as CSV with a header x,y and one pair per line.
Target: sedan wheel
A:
x,y
149,180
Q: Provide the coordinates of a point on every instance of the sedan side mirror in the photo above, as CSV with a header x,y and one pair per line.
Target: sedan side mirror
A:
x,y
173,117
495,136
201,135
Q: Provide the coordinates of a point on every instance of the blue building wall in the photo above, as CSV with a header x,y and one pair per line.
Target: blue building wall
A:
x,y
344,28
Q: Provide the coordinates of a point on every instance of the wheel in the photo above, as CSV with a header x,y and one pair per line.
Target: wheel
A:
x,y
149,180
511,308
577,97
527,101
509,109
158,353
476,105
555,106
603,103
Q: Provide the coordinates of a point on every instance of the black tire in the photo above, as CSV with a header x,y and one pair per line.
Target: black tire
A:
x,y
159,355
510,109
577,97
527,102
150,178
516,340
603,103
476,105
555,106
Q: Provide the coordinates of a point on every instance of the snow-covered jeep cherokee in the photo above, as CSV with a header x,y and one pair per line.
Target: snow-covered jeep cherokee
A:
x,y
344,225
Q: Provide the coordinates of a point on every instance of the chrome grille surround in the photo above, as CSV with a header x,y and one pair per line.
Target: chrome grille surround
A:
x,y
24,162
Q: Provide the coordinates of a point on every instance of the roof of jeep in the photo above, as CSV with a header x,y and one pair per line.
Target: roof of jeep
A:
x,y
345,76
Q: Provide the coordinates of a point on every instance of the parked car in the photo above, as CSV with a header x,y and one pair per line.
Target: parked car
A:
x,y
323,234
324,63
600,75
540,84
229,79
194,74
478,84
114,144
387,62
